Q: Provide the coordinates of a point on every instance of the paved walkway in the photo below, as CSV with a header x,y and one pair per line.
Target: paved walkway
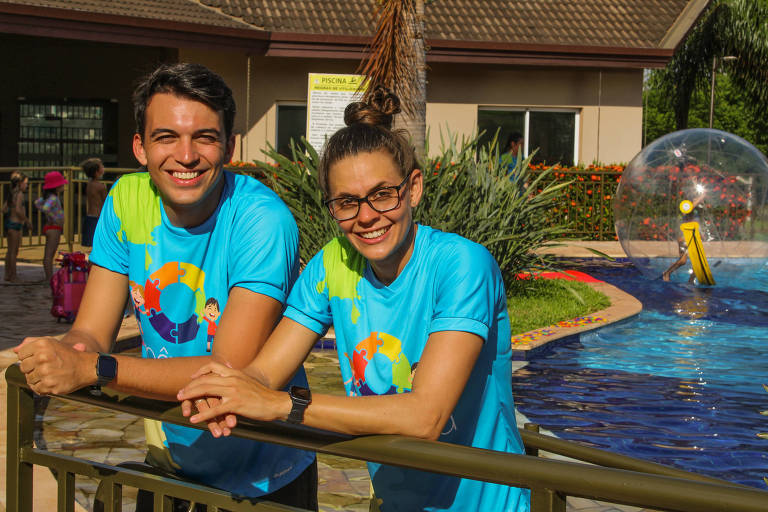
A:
x,y
109,436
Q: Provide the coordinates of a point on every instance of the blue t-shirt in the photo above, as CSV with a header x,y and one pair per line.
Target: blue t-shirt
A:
x,y
179,280
448,284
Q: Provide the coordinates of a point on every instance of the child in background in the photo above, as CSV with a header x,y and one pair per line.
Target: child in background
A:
x,y
50,205
96,193
15,220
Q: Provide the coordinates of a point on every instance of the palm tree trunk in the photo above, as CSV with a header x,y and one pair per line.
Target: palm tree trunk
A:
x,y
416,123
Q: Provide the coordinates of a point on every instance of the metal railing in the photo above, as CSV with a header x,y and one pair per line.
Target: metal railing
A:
x,y
635,483
73,200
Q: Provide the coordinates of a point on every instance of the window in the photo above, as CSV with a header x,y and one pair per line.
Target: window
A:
x,y
66,133
291,124
553,132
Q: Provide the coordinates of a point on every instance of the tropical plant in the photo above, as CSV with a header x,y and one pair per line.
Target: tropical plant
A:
x,y
468,191
295,181
397,60
733,28
734,112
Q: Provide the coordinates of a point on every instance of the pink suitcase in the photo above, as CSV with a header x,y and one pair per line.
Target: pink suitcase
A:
x,y
68,285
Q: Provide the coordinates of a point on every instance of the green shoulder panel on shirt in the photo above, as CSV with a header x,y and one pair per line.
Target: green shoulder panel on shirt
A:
x,y
137,207
344,268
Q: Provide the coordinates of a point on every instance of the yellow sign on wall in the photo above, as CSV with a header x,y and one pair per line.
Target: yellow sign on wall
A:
x,y
327,97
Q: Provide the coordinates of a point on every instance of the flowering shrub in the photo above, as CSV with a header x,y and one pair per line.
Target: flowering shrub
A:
x,y
584,206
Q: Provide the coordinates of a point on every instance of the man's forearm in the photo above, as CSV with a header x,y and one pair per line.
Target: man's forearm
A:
x,y
160,379
85,341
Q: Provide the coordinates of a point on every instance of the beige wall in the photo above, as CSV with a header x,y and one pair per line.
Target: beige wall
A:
x,y
609,102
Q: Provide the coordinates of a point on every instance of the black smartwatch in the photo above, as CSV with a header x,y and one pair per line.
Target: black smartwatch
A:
x,y
301,398
106,371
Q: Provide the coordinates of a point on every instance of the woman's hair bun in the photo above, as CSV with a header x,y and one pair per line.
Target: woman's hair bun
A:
x,y
379,110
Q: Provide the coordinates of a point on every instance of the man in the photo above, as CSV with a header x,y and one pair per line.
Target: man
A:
x,y
186,231
514,145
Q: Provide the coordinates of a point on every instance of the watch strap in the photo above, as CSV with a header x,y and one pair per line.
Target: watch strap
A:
x,y
300,400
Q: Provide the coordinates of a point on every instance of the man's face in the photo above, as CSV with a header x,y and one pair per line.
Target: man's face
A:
x,y
184,148
211,312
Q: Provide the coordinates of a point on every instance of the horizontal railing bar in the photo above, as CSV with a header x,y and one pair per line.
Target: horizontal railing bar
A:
x,y
573,479
314,439
154,483
614,460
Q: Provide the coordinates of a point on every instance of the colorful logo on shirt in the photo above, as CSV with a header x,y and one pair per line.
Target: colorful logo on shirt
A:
x,y
379,367
165,300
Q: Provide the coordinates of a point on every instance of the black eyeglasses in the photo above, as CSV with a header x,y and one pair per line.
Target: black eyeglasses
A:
x,y
382,200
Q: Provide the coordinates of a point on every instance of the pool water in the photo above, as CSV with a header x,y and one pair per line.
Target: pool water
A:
x,y
679,384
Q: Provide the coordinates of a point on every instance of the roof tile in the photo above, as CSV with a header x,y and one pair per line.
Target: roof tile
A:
x,y
613,23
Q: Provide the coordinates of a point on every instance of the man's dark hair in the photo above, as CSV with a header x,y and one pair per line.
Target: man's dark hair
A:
x,y
514,137
193,81
91,166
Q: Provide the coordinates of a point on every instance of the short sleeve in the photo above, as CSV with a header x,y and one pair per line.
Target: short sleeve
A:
x,y
468,290
110,249
308,303
264,249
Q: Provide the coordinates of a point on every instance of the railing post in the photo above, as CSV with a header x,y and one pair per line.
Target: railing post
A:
x,y
547,500
531,450
18,483
69,209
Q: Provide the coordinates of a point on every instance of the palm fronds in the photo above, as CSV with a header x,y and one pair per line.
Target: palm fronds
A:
x,y
392,61
734,28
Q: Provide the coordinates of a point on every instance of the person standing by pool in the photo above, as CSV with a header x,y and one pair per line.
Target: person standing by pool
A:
x,y
15,212
95,194
398,294
50,205
185,230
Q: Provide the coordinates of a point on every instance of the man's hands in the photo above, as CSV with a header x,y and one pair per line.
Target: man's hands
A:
x,y
53,367
237,394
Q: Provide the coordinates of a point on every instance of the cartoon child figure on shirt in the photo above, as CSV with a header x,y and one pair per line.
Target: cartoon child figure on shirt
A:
x,y
137,294
211,314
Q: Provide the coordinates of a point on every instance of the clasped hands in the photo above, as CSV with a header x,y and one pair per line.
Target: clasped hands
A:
x,y
218,392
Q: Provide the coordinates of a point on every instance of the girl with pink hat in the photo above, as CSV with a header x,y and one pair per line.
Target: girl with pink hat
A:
x,y
50,205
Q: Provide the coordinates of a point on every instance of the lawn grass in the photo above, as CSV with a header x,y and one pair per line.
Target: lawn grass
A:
x,y
541,302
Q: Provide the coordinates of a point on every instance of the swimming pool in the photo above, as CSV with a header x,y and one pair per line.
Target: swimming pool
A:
x,y
680,384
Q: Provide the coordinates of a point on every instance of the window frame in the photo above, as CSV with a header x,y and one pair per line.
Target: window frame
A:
x,y
527,123
278,105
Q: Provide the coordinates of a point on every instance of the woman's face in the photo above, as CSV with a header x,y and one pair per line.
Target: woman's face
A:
x,y
382,238
24,184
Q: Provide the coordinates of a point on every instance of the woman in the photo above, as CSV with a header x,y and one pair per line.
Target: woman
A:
x,y
397,294
15,220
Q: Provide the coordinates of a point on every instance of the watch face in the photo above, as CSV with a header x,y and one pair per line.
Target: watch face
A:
x,y
301,393
107,367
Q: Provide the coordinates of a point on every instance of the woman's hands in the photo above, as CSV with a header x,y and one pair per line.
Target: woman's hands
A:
x,y
219,392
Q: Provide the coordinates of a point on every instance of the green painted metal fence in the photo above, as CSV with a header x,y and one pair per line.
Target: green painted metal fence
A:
x,y
635,482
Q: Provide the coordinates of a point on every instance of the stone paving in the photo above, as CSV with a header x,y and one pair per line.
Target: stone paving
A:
x,y
109,436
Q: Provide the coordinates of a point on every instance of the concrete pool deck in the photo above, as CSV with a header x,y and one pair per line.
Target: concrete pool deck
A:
x,y
97,434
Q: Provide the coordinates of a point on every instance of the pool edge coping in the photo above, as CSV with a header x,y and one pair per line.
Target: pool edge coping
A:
x,y
623,306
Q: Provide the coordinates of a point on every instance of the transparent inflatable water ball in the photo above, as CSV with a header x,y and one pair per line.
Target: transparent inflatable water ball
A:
x,y
692,205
